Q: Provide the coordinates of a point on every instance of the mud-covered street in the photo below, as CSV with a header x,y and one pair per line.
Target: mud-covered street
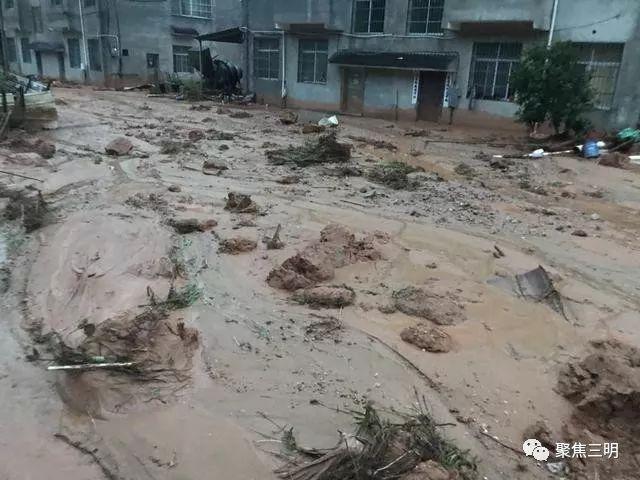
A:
x,y
256,289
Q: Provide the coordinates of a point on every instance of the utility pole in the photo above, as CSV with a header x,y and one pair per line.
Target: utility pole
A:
x,y
84,43
554,14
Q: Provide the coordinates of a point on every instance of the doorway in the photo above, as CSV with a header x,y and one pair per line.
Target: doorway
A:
x,y
153,65
353,90
61,70
39,63
431,95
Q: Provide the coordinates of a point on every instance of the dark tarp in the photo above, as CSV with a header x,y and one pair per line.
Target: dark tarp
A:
x,y
186,31
46,47
398,60
232,35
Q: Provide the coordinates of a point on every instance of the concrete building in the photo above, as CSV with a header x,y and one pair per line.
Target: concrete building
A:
x,y
398,58
388,58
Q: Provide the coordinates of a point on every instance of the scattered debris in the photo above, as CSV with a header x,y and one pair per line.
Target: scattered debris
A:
x,y
287,117
240,203
326,296
431,339
497,252
223,111
195,135
274,242
331,121
240,114
213,167
536,285
200,108
27,144
465,170
326,327
26,205
541,432
312,128
119,146
439,309
288,179
614,159
174,188
223,147
236,245
416,133
380,144
501,164
579,233
184,226
152,201
171,147
219,135
324,149
392,174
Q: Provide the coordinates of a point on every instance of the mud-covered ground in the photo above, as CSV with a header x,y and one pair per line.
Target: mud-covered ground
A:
x,y
224,374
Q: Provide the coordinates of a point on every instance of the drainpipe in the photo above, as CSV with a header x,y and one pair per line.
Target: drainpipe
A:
x,y
245,14
554,14
283,92
84,43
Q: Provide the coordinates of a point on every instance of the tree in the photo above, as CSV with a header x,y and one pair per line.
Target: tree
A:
x,y
551,85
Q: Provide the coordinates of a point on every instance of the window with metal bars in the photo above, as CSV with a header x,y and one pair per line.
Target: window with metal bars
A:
x,y
491,68
368,16
266,58
312,61
602,63
192,8
425,17
181,62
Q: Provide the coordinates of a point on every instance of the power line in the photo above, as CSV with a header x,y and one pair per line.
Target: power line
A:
x,y
598,22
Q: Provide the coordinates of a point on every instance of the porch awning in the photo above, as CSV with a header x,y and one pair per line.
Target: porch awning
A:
x,y
439,61
184,31
308,28
46,47
232,35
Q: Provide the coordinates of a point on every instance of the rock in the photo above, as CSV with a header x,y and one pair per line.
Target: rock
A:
x,y
595,217
240,114
195,135
579,233
190,225
119,146
439,309
416,133
223,147
614,159
213,167
465,170
431,339
288,179
288,118
500,163
312,128
387,308
326,296
174,188
429,470
236,245
240,203
43,148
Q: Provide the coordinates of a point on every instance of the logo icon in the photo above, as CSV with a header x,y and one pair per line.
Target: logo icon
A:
x,y
534,448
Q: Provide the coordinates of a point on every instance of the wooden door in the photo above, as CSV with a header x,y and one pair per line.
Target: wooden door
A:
x,y
353,90
431,95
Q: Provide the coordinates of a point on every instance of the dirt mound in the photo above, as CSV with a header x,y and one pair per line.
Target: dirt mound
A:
x,y
326,296
25,205
119,146
312,128
430,470
324,149
190,225
240,203
465,170
28,144
236,245
439,309
337,248
605,385
288,118
380,144
392,175
427,338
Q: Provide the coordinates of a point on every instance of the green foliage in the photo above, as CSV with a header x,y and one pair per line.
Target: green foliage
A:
x,y
551,85
192,90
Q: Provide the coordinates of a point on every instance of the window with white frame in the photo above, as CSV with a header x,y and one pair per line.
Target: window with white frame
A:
x,y
181,62
191,8
491,68
312,61
425,17
266,58
368,16
602,63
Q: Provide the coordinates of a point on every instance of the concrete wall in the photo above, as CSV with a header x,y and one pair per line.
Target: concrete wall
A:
x,y
387,94
536,11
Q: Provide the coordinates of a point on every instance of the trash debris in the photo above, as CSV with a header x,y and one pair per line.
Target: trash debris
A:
x,y
465,170
439,309
311,128
431,339
614,159
119,146
324,149
323,329
184,226
287,117
537,286
331,121
274,242
539,153
26,205
332,296
380,144
386,449
392,174
416,133
240,203
590,149
236,245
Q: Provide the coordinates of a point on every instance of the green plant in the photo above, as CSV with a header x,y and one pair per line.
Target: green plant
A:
x,y
551,85
192,90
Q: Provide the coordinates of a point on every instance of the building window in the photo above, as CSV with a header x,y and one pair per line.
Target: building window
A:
x,y
56,3
89,3
93,45
602,63
73,45
36,16
312,61
368,16
266,58
26,51
11,50
491,68
181,59
8,4
191,8
425,16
